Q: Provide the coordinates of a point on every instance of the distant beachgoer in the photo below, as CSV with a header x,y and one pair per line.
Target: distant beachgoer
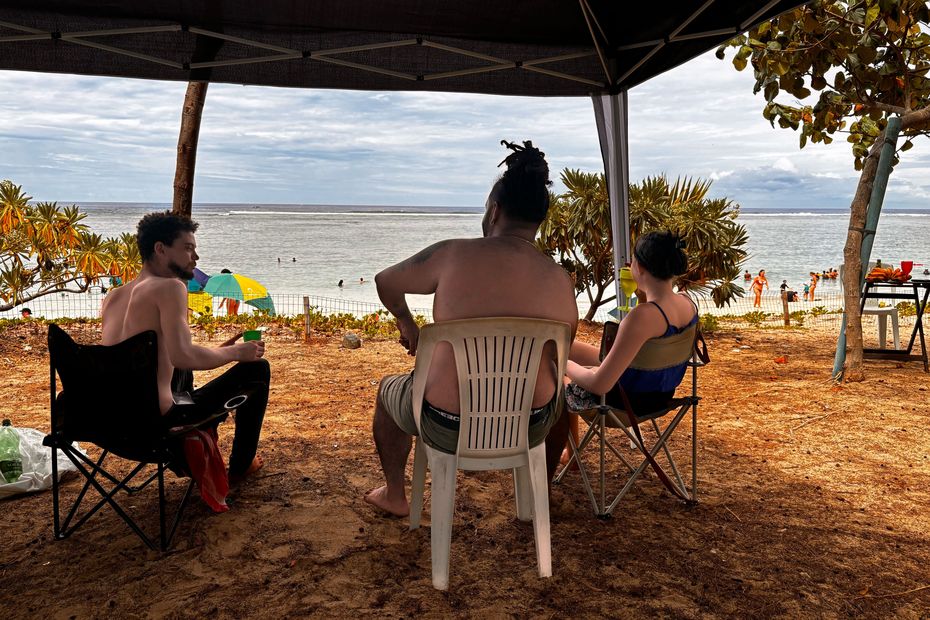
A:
x,y
756,287
927,272
361,280
26,313
814,279
747,276
279,259
232,305
784,286
340,284
807,290
294,260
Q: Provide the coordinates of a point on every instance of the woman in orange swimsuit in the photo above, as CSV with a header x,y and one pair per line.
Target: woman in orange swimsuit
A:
x,y
758,282
814,279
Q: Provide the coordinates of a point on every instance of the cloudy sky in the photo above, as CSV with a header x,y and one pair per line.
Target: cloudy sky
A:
x,y
71,138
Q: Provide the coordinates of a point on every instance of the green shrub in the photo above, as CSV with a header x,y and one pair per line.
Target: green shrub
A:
x,y
755,318
797,317
818,310
906,308
709,323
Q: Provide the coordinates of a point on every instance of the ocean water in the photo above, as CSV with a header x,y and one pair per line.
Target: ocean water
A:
x,y
308,249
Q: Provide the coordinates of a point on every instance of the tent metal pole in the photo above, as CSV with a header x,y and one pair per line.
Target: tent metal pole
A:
x,y
611,113
882,173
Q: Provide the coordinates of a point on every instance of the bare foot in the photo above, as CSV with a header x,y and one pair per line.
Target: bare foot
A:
x,y
257,463
566,456
379,499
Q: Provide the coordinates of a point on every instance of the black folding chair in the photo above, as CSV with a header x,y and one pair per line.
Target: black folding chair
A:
x,y
109,398
616,411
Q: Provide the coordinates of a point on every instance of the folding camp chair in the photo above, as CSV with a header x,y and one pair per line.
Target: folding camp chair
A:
x,y
110,398
657,353
497,360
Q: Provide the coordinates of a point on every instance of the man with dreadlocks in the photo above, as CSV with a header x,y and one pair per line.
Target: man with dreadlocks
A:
x,y
501,274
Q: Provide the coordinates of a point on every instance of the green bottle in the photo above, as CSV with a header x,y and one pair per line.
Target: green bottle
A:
x,y
11,462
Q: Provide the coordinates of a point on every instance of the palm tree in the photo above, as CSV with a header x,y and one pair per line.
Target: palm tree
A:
x,y
13,203
45,248
577,233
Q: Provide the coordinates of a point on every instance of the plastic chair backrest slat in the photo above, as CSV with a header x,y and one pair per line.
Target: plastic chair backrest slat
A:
x,y
497,361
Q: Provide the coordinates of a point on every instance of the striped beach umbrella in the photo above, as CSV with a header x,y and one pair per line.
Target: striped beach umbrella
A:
x,y
235,286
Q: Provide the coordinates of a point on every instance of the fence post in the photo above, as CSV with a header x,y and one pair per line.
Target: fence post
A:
x,y
784,305
306,318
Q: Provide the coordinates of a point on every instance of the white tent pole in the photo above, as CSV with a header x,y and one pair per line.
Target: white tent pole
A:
x,y
611,114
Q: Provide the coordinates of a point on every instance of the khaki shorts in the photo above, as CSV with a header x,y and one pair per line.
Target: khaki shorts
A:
x,y
439,431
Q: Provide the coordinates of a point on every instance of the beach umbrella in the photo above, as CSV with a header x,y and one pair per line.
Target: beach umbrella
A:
x,y
263,303
200,302
196,283
235,286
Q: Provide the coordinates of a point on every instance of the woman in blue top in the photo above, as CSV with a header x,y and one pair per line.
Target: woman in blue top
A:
x,y
658,258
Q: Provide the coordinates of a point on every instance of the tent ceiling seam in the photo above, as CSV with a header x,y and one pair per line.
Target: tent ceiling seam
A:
x,y
755,16
588,16
77,38
693,16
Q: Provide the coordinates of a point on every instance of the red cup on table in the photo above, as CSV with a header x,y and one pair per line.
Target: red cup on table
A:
x,y
906,266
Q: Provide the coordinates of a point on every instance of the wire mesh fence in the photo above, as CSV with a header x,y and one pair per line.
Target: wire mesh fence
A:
x,y
824,313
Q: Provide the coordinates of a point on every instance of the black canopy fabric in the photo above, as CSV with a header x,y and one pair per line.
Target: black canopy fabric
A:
x,y
504,47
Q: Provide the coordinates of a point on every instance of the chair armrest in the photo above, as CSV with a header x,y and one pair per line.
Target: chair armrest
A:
x,y
177,431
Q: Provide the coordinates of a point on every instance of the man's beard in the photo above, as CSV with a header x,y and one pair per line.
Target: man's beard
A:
x,y
180,271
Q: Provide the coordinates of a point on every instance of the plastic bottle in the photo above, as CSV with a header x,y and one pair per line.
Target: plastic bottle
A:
x,y
11,461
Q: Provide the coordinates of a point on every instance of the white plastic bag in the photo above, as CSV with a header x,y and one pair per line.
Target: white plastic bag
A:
x,y
37,465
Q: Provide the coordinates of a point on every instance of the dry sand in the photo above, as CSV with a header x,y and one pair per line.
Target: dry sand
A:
x,y
813,503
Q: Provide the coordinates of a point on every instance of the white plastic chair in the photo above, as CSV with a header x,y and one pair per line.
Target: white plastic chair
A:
x,y
882,313
497,360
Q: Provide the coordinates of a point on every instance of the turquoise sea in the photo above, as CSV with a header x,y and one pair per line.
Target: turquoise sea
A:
x,y
308,249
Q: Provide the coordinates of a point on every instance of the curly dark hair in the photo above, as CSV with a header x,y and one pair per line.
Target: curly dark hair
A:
x,y
163,226
523,190
662,254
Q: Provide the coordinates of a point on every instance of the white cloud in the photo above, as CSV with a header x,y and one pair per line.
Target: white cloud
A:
x,y
784,164
72,138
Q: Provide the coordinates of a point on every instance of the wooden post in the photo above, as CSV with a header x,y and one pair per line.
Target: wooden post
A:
x,y
784,305
187,147
306,318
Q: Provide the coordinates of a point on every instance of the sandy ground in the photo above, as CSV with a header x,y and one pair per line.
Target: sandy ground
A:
x,y
814,503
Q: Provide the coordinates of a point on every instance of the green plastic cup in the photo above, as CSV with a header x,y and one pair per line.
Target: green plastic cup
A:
x,y
252,334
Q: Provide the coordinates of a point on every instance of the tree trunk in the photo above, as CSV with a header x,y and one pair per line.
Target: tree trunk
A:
x,y
852,262
595,303
187,147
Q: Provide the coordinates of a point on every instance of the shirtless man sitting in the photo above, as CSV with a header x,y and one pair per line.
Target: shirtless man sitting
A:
x,y
501,274
157,301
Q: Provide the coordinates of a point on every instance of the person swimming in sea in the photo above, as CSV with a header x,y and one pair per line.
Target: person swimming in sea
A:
x,y
340,284
747,276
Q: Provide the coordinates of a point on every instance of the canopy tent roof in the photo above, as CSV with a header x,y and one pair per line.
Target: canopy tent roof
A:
x,y
514,47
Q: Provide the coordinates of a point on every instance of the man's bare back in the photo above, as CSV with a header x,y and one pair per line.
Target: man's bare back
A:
x,y
495,276
134,308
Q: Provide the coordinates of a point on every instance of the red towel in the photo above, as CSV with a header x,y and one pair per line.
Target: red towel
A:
x,y
207,468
